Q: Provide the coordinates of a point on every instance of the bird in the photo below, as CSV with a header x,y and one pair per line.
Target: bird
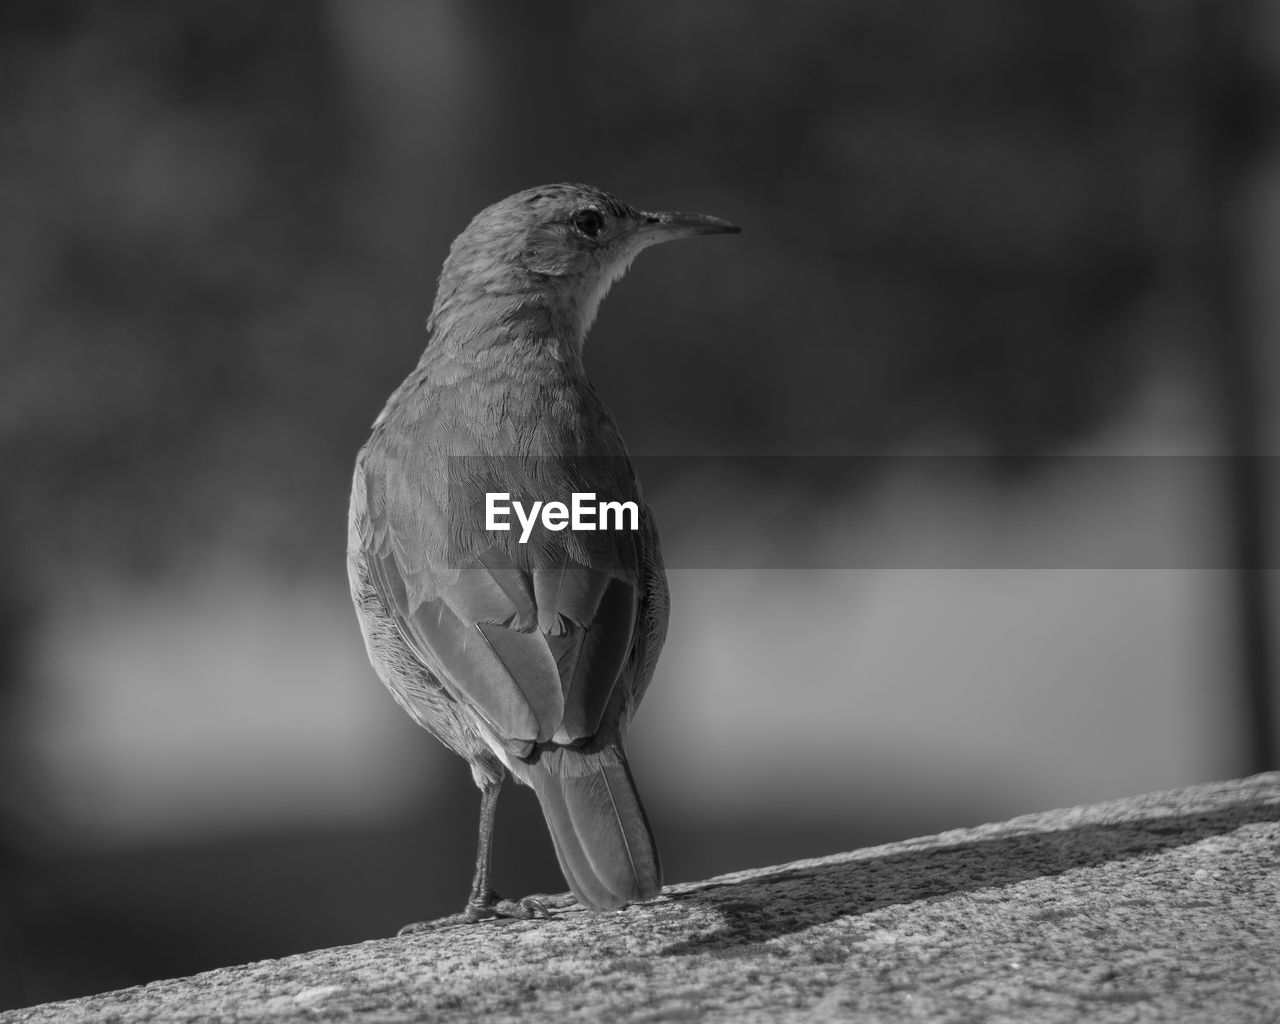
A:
x,y
526,657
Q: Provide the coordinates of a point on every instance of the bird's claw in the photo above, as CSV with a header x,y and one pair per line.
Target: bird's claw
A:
x,y
562,901
531,908
496,908
527,909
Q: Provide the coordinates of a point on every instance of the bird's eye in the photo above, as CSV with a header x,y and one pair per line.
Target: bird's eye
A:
x,y
588,221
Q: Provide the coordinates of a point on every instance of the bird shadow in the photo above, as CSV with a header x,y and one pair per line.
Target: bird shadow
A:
x,y
790,900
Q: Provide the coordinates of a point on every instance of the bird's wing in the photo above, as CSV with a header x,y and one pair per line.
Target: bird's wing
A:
x,y
652,616
533,637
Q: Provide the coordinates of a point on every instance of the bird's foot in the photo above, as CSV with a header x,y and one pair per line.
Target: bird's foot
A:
x,y
561,901
495,908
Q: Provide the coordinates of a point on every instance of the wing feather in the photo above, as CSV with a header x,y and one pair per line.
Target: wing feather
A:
x,y
535,639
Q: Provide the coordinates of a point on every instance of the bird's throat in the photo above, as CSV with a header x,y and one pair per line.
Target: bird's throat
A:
x,y
475,326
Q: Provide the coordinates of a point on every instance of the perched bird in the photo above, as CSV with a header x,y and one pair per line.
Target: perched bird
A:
x,y
522,656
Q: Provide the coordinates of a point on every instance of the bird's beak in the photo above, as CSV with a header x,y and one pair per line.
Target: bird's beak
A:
x,y
665,227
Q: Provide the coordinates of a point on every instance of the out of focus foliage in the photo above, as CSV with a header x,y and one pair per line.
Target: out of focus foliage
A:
x,y
962,223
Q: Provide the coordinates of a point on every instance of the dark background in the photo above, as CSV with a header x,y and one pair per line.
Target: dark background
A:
x,y
1031,241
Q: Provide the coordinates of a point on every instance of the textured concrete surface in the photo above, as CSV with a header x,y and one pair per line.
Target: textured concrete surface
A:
x,y
1162,907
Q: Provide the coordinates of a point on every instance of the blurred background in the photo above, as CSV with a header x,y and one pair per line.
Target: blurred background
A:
x,y
959,450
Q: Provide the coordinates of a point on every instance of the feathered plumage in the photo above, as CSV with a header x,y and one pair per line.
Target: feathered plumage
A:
x,y
528,658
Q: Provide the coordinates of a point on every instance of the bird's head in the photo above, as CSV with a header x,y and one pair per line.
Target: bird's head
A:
x,y
553,252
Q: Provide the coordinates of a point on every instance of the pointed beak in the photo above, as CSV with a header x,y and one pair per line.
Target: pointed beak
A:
x,y
666,227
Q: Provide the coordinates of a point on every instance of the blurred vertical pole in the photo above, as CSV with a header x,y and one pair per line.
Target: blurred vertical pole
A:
x,y
1234,108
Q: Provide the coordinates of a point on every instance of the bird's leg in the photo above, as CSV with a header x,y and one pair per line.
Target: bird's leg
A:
x,y
484,903
482,894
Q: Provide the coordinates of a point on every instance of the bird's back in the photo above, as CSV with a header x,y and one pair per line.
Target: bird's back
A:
x,y
524,649
534,654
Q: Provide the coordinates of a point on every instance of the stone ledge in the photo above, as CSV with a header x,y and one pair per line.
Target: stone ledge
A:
x,y
1159,907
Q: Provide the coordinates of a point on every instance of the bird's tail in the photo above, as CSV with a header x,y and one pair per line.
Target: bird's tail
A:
x,y
602,837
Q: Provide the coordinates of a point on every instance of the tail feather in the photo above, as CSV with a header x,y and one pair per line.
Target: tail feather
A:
x,y
598,825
